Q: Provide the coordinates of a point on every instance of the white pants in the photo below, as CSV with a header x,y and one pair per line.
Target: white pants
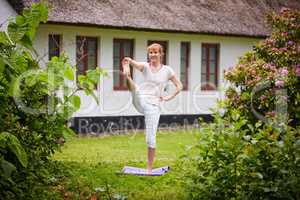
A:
x,y
151,113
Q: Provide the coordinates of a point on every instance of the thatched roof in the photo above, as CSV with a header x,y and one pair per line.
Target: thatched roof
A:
x,y
221,17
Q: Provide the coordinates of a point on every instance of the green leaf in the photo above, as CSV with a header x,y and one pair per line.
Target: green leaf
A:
x,y
41,10
7,168
103,72
258,124
20,20
4,38
14,89
69,73
2,65
68,133
257,175
16,32
14,145
93,76
26,41
75,100
81,79
31,81
24,28
235,115
250,126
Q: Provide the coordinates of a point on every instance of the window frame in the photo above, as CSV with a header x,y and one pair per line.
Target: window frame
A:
x,y
85,49
120,86
207,46
85,62
50,36
187,64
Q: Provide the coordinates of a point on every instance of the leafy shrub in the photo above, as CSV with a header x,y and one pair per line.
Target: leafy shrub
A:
x,y
234,163
35,105
252,151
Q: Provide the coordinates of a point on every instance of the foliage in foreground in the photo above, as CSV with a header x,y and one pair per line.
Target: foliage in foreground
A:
x,y
253,150
236,163
35,105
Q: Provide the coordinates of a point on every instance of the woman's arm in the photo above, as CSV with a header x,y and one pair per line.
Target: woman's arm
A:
x,y
179,87
138,65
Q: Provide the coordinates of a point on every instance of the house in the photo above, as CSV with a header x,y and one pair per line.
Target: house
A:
x,y
201,40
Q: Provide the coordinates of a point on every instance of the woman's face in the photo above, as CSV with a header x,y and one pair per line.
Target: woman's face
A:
x,y
154,54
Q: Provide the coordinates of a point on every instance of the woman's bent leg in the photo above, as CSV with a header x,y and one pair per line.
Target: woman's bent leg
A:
x,y
130,83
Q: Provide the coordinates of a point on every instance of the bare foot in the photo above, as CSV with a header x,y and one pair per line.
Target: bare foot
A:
x,y
126,69
126,72
149,171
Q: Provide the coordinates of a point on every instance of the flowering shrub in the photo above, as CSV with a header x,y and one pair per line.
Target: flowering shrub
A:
x,y
269,76
252,151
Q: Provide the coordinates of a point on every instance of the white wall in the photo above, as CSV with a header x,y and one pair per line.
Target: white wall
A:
x,y
116,103
6,11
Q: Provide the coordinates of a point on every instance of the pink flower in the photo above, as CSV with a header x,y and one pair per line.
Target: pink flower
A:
x,y
269,66
263,97
269,41
284,71
283,10
290,43
283,49
297,71
284,34
266,66
258,78
271,114
279,83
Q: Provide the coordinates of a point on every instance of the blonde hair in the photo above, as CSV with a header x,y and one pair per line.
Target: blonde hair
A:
x,y
157,46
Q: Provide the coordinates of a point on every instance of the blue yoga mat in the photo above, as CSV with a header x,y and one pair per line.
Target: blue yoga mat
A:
x,y
143,172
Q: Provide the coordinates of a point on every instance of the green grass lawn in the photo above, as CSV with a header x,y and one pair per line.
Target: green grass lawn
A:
x,y
95,161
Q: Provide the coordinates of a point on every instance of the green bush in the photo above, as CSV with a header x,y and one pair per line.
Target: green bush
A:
x,y
234,163
252,150
35,105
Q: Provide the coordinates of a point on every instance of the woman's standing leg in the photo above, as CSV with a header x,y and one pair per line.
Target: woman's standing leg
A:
x,y
151,156
152,115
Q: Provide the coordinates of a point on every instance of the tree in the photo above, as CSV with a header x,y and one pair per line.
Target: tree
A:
x,y
35,104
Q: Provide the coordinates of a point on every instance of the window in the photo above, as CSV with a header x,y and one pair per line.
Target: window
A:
x,y
184,63
54,45
86,53
164,44
209,66
122,48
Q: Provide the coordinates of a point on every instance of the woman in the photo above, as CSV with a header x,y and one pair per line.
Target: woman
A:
x,y
148,95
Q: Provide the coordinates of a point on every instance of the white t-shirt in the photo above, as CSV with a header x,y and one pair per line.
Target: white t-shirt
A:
x,y
155,82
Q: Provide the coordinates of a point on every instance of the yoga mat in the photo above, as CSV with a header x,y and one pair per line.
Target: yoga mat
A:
x,y
143,172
